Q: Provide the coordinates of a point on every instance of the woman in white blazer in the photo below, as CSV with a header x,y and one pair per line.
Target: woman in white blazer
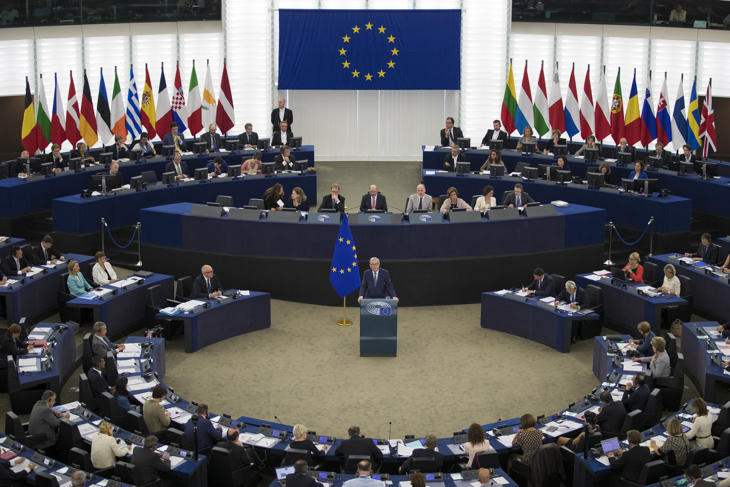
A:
x,y
701,430
487,200
105,449
102,272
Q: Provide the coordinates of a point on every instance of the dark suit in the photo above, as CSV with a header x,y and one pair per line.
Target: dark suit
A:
x,y
58,162
113,181
301,480
209,138
709,254
630,149
358,446
38,257
611,418
636,398
371,289
276,121
276,139
279,162
222,169
511,199
17,166
147,465
8,478
168,140
456,134
327,203
666,160
119,152
10,267
208,435
246,139
460,157
97,382
101,345
170,167
425,453
644,348
544,286
367,202
200,287
239,455
632,462
580,296
490,133
10,346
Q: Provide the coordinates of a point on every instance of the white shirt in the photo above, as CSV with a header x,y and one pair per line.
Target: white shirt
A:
x,y
495,135
672,285
482,204
282,111
283,137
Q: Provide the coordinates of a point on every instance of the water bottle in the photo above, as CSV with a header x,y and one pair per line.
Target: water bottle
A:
x,y
103,185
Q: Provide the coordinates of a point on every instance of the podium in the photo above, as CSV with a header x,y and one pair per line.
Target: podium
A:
x,y
378,328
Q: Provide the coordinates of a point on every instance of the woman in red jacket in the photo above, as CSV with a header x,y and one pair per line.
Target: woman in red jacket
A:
x,y
633,270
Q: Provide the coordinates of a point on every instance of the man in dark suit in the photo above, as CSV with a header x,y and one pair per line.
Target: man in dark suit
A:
x,y
450,133
113,177
376,283
45,252
517,198
17,167
611,416
572,294
148,463
282,135
119,149
695,477
333,200
58,160
15,264
663,158
10,478
11,344
285,160
281,114
687,155
542,284
495,133
631,462
453,157
206,285
208,435
174,138
357,444
218,167
707,251
300,478
100,344
44,420
97,382
249,138
178,166
373,200
428,452
234,445
636,394
212,138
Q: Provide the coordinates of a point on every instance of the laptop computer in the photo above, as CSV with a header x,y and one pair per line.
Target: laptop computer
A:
x,y
282,472
610,445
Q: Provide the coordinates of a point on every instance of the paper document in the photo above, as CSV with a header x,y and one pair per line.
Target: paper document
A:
x,y
617,394
456,449
179,415
9,282
630,366
593,277
176,461
507,440
522,293
21,466
244,292
604,460
33,271
133,347
547,299
602,272
502,292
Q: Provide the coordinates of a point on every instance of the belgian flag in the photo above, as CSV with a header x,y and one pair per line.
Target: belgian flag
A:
x,y
28,132
87,118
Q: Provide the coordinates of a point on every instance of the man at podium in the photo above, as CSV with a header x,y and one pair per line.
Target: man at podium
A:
x,y
376,283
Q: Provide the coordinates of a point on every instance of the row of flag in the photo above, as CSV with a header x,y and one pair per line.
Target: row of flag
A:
x,y
43,125
601,119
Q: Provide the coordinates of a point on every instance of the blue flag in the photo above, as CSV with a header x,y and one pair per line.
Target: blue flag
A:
x,y
344,274
369,49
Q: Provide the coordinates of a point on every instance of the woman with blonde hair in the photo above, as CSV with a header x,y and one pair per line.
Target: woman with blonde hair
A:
x,y
299,199
671,284
105,449
633,270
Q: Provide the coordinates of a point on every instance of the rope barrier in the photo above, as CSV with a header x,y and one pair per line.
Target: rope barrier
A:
x,y
111,237
630,244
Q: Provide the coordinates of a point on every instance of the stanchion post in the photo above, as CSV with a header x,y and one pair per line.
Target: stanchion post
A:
x,y
609,262
103,224
651,236
139,245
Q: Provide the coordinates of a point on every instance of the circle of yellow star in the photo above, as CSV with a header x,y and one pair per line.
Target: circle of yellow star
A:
x,y
348,242
343,51
369,26
356,29
391,64
341,239
394,51
381,74
342,271
356,74
349,270
368,77
346,64
381,30
391,38
334,269
346,38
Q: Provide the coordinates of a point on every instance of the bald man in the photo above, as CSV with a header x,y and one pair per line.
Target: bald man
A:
x,y
419,201
281,114
206,285
373,200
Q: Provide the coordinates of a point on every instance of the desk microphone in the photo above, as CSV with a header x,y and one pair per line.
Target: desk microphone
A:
x,y
277,419
390,423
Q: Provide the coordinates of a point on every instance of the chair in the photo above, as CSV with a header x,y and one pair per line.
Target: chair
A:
x,y
224,200
699,456
485,460
651,273
68,437
135,423
673,386
685,291
291,455
594,301
671,348
17,431
155,303
86,396
128,474
546,468
175,437
109,408
474,199
184,288
652,410
64,296
44,479
351,462
149,177
221,472
558,282
87,356
568,462
257,202
632,421
3,369
22,398
80,459
650,474
723,420
423,465
723,446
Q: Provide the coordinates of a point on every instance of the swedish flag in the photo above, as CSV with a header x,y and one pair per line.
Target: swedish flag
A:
x,y
344,274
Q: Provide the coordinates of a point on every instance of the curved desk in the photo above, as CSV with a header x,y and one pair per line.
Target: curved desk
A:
x,y
62,355
466,257
701,342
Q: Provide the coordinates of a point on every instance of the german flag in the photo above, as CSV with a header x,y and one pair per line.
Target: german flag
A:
x,y
28,132
87,118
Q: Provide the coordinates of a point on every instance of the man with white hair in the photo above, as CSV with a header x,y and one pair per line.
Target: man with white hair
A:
x,y
419,201
212,138
575,296
281,114
373,200
206,285
376,283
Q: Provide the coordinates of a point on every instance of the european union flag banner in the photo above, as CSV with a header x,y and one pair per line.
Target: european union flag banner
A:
x,y
369,49
344,274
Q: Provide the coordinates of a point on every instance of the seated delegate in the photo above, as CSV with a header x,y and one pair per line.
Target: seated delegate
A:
x,y
373,200
572,294
11,344
542,284
81,152
638,172
285,160
663,158
623,146
450,134
206,284
629,464
590,143
707,251
642,346
178,166
77,284
430,452
671,283
15,264
274,197
419,201
173,138
676,442
302,443
476,443
45,252
554,140
248,138
217,167
605,169
453,157
636,394
357,444
561,162
252,165
486,200
527,138
517,198
633,270
144,146
611,415
453,202
282,136
494,158
495,133
659,364
214,142
105,449
299,199
333,201
528,437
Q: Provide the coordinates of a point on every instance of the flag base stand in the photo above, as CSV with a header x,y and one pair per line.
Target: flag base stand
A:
x,y
344,321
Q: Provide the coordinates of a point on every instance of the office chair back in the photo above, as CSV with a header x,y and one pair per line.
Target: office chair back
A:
x,y
293,454
685,288
632,421
423,464
546,466
184,288
135,423
175,437
87,357
594,296
80,459
558,282
27,250
474,199
485,460
224,200
86,395
14,427
723,446
149,177
44,479
352,460
220,469
653,409
723,420
652,472
651,273
68,437
154,297
671,348
109,408
257,202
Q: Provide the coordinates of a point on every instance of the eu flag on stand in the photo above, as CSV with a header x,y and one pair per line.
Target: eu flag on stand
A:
x,y
344,274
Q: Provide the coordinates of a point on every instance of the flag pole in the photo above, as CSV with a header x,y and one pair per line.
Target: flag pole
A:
x,y
344,321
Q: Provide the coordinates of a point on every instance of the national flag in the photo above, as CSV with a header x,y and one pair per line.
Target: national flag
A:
x,y
587,116
707,127
147,114
28,136
42,118
679,121
572,113
134,124
542,114
525,109
119,119
648,120
663,120
103,115
557,115
632,123
617,110
208,101
179,110
58,119
195,108
164,110
72,114
693,119
87,119
344,273
225,117
602,115
509,103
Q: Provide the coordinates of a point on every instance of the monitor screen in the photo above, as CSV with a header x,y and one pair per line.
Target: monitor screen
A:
x,y
463,142
267,168
201,174
462,167
560,149
168,178
563,175
595,179
496,170
591,154
528,147
708,169
686,168
35,164
200,147
624,158
496,145
47,168
137,182
294,142
167,150
282,472
74,164
545,171
234,170
655,162
264,143
530,172
610,445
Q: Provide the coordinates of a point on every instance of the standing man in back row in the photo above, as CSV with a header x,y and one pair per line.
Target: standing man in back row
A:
x,y
281,114
376,283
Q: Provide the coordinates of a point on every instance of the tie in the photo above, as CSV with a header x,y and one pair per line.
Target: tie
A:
x,y
17,264
207,281
519,200
539,284
420,203
451,139
45,253
217,171
178,169
109,276
174,139
373,202
248,138
375,278
572,298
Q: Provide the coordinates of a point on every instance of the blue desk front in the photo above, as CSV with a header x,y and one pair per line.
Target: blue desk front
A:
x,y
124,311
7,246
710,293
672,214
62,353
38,295
77,215
624,308
698,355
527,318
